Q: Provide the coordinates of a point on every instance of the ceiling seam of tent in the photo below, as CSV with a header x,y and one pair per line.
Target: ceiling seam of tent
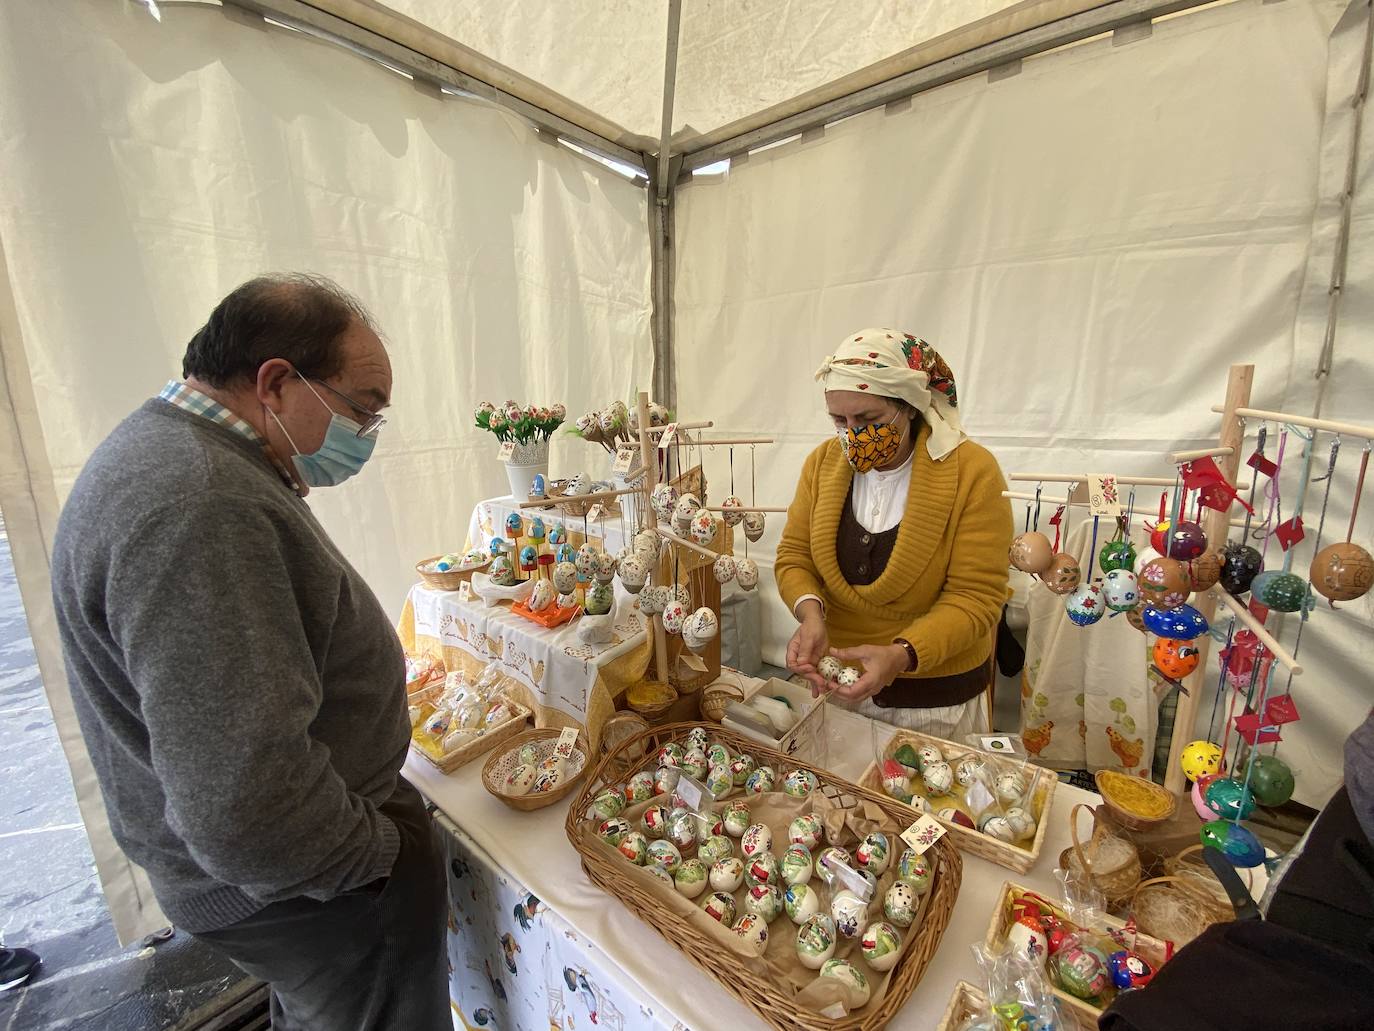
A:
x,y
346,34
1097,21
1340,257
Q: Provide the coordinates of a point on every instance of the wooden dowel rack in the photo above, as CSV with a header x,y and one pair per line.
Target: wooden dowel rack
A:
x,y
652,430
691,545
1242,612
1138,481
569,499
1179,457
732,440
1014,495
1331,426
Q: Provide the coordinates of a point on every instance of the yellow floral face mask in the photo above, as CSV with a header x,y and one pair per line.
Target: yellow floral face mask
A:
x,y
868,447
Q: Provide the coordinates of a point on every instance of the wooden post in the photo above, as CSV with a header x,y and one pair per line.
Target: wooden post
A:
x,y
650,521
1215,525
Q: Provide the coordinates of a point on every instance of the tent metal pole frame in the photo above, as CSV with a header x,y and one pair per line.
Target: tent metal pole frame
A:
x,y
427,70
664,169
1107,18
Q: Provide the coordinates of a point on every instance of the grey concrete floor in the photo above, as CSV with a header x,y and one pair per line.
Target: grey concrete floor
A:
x,y
50,897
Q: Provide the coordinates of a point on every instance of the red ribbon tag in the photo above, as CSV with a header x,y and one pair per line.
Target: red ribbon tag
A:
x,y
1289,532
1258,462
1199,474
1056,521
1281,710
1256,731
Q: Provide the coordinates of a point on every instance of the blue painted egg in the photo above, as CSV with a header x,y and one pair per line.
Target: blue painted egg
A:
x,y
566,553
514,524
537,486
558,534
497,546
1229,799
1181,624
1238,844
528,557
1282,592
537,529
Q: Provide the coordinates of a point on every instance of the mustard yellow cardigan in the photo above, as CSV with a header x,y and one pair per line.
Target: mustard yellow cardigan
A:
x,y
946,582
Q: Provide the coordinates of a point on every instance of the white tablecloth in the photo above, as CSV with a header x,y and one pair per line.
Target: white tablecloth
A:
x,y
535,851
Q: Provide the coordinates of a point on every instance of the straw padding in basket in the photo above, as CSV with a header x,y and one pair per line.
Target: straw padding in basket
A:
x,y
464,754
1017,857
1151,949
1111,862
500,765
450,579
964,1003
1183,904
1134,802
747,979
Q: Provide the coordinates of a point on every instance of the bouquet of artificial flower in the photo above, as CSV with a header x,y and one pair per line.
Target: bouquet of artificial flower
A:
x,y
523,425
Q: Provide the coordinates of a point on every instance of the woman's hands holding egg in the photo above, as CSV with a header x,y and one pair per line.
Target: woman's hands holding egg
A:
x,y
881,665
809,645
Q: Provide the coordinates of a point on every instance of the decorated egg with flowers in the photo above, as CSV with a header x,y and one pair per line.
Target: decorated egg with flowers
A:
x,y
674,615
724,569
747,573
1063,574
664,501
704,527
1085,606
686,507
730,510
1031,552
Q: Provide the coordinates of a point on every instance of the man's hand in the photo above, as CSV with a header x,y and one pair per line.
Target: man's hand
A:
x,y
808,645
881,663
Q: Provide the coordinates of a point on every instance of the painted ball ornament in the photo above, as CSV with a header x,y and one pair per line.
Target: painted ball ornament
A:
x,y
1031,552
730,510
1204,571
723,569
1200,758
1229,799
1282,592
1240,564
1116,555
1342,572
1187,542
1175,659
1080,970
1120,590
1238,844
1129,971
1198,795
1164,583
1064,573
1271,780
1085,606
1183,623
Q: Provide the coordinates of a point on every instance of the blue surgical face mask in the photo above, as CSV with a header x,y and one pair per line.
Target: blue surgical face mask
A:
x,y
342,453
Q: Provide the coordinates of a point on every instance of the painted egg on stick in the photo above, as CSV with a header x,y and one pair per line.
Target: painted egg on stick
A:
x,y
1031,552
1342,572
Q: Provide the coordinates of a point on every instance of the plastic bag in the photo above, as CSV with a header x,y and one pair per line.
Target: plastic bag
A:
x,y
1019,996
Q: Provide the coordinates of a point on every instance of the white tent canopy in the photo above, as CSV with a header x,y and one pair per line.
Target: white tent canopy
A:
x,y
1134,196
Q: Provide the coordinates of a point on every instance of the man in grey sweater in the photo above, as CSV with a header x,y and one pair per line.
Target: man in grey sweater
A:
x,y
240,689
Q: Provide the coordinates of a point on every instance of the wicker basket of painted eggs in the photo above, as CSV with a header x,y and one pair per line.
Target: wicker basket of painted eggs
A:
x,y
528,773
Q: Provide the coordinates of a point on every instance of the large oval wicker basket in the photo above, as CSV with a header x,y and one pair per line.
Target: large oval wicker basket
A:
x,y
748,979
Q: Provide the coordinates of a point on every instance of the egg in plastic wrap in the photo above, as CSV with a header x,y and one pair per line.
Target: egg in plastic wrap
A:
x,y
682,830
914,869
849,913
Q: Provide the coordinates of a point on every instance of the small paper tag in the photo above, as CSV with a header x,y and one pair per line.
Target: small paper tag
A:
x,y
996,744
595,513
465,591
624,458
1281,710
669,434
506,451
566,740
1104,496
850,878
692,662
923,833
977,796
835,1011
694,794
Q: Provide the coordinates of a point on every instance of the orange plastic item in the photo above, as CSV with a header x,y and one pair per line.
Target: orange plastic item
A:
x,y
550,617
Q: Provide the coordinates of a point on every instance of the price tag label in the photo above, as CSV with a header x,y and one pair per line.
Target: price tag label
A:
x,y
850,878
669,435
694,794
693,662
465,591
506,452
566,740
922,834
624,458
596,513
997,744
977,796
1104,496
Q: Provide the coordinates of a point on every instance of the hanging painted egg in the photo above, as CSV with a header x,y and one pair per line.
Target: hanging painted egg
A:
x,y
1342,572
1282,592
753,525
1229,799
600,599
704,527
1116,555
1204,571
1199,758
1198,796
605,567
633,573
653,599
1164,583
664,500
586,562
1064,573
1144,558
1238,844
1158,535
566,553
747,573
686,507
731,517
1031,552
700,630
565,577
1120,590
558,534
1271,781
1181,624
1085,605
1175,659
1187,542
1240,564
1136,617
674,615
724,569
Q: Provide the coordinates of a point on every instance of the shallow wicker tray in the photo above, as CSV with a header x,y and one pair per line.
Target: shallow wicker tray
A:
x,y
470,751
1084,1016
1017,857
1164,801
964,1003
449,580
742,979
499,766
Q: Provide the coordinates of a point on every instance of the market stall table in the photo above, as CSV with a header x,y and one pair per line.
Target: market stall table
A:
x,y
632,976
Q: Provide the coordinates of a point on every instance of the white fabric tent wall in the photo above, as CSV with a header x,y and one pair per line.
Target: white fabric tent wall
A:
x,y
1090,244
151,168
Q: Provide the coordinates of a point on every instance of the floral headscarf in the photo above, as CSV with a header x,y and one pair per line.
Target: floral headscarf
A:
x,y
893,364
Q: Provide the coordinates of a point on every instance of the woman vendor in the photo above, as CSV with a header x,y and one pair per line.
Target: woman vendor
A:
x,y
894,556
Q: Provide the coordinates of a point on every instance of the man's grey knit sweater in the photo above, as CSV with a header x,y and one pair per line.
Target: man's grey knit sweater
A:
x,y
240,689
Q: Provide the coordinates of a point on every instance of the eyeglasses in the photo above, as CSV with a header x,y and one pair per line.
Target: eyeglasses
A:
x,y
372,421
